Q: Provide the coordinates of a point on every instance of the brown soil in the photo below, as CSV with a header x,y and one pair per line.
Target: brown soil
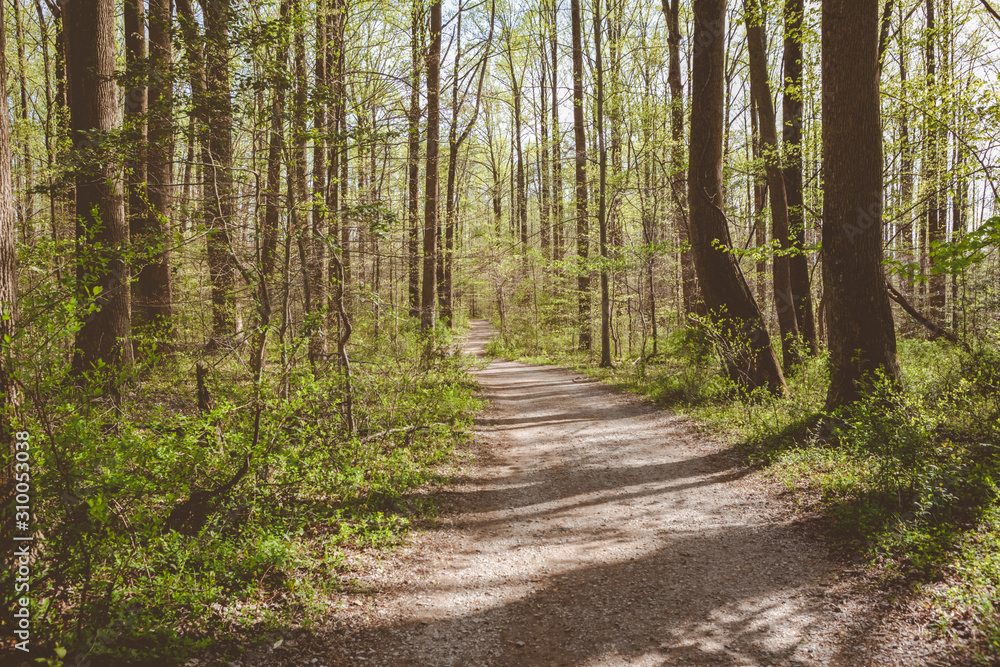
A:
x,y
596,529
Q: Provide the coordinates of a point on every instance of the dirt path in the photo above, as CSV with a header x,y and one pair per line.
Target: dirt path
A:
x,y
596,529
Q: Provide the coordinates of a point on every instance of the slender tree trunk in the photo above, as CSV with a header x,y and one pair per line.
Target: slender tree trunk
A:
x,y
455,141
859,319
275,149
136,107
689,281
428,299
602,207
445,288
340,134
936,215
413,165
791,135
101,228
750,360
27,167
761,92
558,233
582,223
544,212
322,199
905,231
759,183
298,199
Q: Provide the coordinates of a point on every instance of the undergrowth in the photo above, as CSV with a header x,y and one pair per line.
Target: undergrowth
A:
x,y
907,479
121,576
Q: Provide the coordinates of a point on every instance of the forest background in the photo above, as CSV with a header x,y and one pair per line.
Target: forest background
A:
x,y
237,239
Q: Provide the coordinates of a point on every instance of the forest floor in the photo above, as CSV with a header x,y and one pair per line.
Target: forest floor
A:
x,y
594,528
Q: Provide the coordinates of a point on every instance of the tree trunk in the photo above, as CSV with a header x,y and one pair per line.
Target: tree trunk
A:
x,y
136,106
323,201
859,319
936,213
749,358
152,297
428,299
27,167
689,281
761,91
791,137
582,223
544,212
602,207
101,228
558,234
219,193
275,149
413,166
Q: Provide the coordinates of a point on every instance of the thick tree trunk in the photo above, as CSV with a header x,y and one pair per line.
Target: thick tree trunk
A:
x,y
152,298
750,360
859,319
428,299
219,192
582,223
761,91
792,139
101,228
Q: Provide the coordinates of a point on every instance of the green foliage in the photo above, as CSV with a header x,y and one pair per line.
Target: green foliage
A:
x,y
119,580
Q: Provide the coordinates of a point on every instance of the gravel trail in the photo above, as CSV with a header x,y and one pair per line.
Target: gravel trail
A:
x,y
596,529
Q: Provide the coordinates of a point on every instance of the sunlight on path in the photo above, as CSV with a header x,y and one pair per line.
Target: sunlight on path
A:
x,y
598,530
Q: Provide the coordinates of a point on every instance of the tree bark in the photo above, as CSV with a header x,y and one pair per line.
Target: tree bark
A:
x,y
428,299
761,91
859,319
582,223
936,213
558,235
749,358
413,166
136,107
691,296
544,212
275,149
602,206
152,297
798,262
324,202
220,204
101,227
